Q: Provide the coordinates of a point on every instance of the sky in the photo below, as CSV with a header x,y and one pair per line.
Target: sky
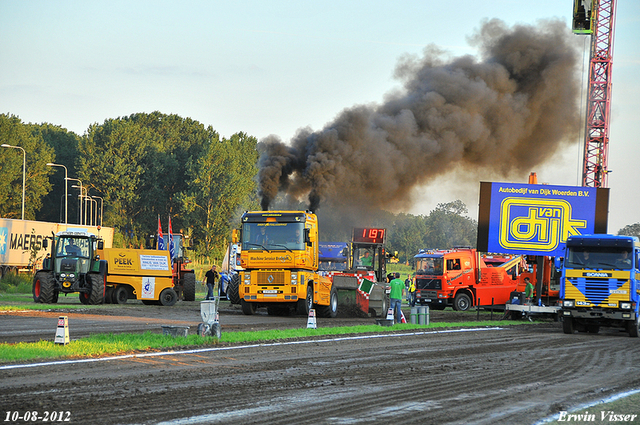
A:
x,y
274,67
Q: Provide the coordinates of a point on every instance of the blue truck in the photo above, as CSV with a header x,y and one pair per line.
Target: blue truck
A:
x,y
599,283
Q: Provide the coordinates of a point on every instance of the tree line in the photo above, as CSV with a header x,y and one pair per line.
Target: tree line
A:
x,y
144,166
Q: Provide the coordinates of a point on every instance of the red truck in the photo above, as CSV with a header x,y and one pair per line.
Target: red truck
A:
x,y
462,278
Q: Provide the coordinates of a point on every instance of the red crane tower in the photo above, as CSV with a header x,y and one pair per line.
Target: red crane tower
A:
x,y
597,18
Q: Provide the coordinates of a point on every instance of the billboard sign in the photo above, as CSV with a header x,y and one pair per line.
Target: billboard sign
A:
x,y
537,219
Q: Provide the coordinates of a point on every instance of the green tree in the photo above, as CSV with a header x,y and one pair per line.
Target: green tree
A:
x,y
447,227
630,230
407,236
65,146
220,183
37,153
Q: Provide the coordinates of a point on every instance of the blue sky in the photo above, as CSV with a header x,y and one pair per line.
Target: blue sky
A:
x,y
272,67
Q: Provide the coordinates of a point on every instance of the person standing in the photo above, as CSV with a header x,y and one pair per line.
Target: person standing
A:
x,y
211,277
412,291
528,290
395,296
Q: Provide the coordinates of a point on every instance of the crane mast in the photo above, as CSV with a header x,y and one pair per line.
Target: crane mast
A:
x,y
597,18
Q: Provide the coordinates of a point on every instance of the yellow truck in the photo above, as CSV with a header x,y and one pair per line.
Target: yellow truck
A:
x,y
279,261
79,263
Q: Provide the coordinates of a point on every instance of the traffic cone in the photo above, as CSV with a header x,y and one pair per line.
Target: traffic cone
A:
x,y
62,332
390,315
402,318
311,321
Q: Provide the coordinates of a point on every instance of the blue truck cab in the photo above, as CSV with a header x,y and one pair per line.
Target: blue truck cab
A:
x,y
599,283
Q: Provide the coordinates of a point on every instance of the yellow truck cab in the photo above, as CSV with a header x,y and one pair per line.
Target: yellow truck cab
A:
x,y
280,259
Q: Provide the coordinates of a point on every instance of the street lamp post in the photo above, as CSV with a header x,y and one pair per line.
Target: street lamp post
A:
x,y
69,178
66,210
24,170
83,199
101,208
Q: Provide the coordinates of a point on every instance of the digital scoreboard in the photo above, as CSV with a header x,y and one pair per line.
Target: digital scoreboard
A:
x,y
369,235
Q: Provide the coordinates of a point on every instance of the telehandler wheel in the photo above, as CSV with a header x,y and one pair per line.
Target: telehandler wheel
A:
x,y
168,297
462,302
633,327
189,285
120,295
567,325
96,294
43,288
330,310
233,289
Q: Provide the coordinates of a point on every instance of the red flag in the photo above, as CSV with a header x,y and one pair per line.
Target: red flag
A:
x,y
161,244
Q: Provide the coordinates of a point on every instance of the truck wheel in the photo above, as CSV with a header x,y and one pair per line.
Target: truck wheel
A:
x,y
304,306
168,297
189,291
330,310
462,302
96,291
43,287
248,308
567,325
120,295
108,295
633,327
233,289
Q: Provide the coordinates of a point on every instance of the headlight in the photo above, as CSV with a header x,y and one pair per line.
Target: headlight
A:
x,y
63,275
625,305
247,279
568,303
294,278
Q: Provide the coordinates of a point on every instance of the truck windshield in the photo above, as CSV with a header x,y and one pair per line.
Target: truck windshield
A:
x,y
429,265
273,236
599,258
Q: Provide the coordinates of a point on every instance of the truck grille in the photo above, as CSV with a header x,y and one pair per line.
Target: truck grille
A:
x,y
597,290
271,278
428,283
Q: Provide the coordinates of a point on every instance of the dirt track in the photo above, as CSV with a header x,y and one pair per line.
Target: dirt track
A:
x,y
509,375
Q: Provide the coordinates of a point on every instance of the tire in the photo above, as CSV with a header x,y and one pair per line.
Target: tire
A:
x,y
168,297
330,310
233,289
203,330
189,287
567,325
96,290
248,308
43,288
462,302
120,295
633,327
304,306
108,295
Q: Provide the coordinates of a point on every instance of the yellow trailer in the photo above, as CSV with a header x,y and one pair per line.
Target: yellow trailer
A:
x,y
139,274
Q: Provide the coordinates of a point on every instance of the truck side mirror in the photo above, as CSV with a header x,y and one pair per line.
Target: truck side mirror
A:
x,y
308,237
235,236
45,243
558,262
100,244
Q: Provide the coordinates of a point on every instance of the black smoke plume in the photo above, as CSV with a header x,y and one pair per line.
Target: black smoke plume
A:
x,y
504,113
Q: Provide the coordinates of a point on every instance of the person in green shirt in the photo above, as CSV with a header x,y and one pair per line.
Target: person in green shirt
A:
x,y
528,290
366,259
395,296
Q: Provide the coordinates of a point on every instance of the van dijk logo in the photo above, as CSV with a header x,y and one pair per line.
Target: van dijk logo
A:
x,y
537,223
